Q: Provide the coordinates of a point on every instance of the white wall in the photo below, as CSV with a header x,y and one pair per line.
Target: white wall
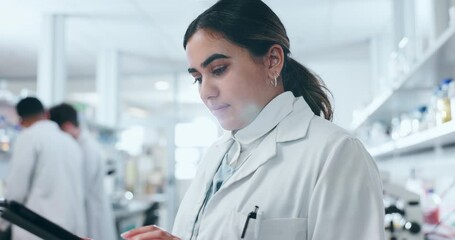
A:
x,y
346,72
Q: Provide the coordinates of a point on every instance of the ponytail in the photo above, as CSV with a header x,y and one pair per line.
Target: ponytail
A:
x,y
302,82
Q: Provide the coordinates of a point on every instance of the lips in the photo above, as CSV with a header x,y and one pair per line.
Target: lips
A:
x,y
218,109
215,108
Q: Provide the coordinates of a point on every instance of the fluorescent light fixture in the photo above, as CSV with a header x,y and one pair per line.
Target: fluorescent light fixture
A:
x,y
137,112
89,98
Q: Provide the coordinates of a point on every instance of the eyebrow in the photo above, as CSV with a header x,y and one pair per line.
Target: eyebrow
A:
x,y
209,60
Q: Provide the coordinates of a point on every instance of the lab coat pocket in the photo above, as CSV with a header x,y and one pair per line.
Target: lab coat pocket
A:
x,y
264,229
283,228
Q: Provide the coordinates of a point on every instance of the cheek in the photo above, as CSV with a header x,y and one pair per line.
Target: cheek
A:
x,y
204,100
254,81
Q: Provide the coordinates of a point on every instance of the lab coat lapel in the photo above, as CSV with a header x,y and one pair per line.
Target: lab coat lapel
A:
x,y
211,162
265,151
299,121
213,158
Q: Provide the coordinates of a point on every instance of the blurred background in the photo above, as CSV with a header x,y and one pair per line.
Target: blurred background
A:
x,y
388,63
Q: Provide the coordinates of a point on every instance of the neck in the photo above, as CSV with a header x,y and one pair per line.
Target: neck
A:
x,y
29,121
71,129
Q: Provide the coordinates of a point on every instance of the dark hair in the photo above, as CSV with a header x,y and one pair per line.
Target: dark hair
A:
x,y
29,107
251,24
63,113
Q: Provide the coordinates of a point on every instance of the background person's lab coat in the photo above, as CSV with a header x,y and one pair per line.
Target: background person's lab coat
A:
x,y
46,175
100,218
309,178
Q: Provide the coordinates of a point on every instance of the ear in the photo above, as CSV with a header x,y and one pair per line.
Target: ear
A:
x,y
67,127
275,60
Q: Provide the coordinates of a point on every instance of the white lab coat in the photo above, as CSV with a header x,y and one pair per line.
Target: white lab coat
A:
x,y
100,218
310,179
46,175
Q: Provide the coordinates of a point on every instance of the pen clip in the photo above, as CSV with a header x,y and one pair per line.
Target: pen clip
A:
x,y
252,215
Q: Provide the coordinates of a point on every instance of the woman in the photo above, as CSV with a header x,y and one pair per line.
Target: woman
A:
x,y
281,171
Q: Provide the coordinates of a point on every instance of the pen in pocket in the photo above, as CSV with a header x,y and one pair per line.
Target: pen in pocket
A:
x,y
252,215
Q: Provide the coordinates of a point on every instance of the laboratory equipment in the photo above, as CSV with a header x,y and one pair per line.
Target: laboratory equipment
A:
x,y
403,214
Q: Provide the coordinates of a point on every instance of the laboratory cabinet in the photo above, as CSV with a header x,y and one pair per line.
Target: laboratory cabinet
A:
x,y
437,137
410,91
419,157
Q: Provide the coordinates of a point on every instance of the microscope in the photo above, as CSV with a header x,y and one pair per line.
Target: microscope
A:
x,y
403,214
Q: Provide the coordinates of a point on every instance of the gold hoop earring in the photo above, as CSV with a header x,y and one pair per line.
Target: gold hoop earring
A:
x,y
275,80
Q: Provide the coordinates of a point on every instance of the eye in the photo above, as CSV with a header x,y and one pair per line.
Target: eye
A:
x,y
197,79
217,71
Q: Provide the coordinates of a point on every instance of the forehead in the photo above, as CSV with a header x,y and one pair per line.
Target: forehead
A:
x,y
204,43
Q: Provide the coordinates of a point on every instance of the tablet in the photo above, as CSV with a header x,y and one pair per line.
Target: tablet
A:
x,y
19,215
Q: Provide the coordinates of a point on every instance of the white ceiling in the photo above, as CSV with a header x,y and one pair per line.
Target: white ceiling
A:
x,y
148,34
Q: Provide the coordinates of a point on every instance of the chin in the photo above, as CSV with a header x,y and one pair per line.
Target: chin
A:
x,y
228,127
231,125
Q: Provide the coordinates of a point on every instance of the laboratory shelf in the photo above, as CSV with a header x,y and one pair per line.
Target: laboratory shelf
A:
x,y
426,140
414,88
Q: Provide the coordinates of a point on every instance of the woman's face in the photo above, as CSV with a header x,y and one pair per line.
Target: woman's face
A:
x,y
233,85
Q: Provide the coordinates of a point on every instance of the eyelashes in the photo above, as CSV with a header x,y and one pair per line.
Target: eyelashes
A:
x,y
217,71
197,80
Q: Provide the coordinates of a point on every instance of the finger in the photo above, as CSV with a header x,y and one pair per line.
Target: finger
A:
x,y
140,230
153,235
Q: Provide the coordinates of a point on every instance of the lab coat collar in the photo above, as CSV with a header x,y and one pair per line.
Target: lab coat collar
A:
x,y
44,122
294,126
265,151
277,109
299,120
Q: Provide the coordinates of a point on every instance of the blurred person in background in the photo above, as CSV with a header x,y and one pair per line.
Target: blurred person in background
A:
x,y
45,172
100,218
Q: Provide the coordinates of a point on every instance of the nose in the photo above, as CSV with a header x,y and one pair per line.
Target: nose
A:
x,y
208,89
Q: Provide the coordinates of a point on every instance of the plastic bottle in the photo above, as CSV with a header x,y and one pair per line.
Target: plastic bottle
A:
x,y
432,108
443,114
405,125
451,96
430,207
421,115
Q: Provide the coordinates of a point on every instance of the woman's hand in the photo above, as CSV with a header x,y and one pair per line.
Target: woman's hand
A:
x,y
151,232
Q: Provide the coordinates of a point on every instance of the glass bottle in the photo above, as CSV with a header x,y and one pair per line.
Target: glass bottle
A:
x,y
443,103
430,207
